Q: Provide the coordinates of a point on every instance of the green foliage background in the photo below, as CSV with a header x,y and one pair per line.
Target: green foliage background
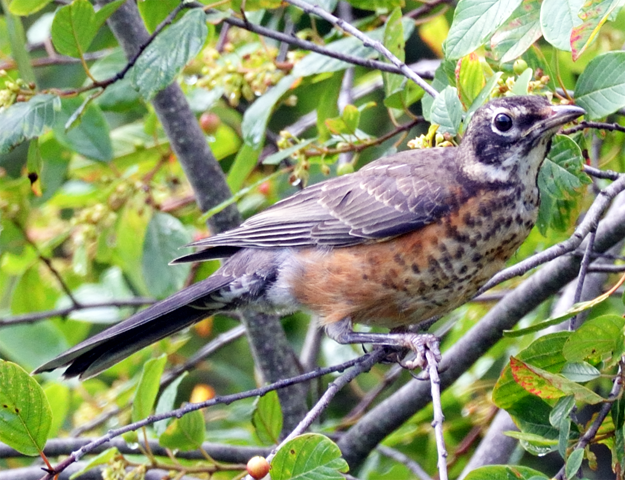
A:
x,y
94,203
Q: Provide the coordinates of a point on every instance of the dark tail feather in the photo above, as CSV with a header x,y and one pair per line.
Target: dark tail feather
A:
x,y
162,319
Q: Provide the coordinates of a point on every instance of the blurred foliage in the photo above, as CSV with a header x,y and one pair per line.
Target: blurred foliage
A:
x,y
94,205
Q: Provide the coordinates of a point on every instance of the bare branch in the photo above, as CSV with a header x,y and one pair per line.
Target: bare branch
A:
x,y
368,42
191,407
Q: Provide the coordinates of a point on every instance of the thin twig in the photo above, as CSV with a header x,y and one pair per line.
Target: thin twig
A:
x,y
613,127
389,378
368,42
306,45
439,418
606,174
366,363
427,8
64,312
170,375
56,60
48,264
191,407
409,463
315,151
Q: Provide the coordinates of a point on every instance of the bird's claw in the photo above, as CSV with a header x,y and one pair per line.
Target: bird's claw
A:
x,y
420,344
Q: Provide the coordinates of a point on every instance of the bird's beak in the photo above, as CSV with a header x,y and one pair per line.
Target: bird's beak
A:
x,y
560,114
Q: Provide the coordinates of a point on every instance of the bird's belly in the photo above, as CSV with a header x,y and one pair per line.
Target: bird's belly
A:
x,y
413,277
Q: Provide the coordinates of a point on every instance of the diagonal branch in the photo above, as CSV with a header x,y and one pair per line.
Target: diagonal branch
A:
x,y
368,42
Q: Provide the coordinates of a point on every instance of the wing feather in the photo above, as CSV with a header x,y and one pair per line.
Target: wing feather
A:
x,y
389,197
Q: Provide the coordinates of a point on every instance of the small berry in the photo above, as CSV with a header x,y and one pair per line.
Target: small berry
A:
x,y
345,168
519,66
258,467
209,122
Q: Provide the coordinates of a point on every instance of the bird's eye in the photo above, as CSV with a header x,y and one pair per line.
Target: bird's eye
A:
x,y
503,122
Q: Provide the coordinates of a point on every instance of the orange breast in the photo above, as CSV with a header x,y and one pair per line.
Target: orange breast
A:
x,y
415,276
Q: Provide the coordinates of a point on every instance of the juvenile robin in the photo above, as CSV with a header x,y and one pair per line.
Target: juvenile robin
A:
x,y
406,238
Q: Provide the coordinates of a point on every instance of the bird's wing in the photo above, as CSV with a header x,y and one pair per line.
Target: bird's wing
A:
x,y
389,197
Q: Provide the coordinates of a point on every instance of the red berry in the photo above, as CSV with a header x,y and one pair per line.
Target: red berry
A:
x,y
209,122
258,467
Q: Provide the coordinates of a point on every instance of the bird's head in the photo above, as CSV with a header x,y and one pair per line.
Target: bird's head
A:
x,y
508,138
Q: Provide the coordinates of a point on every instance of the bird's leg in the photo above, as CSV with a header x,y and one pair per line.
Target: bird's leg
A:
x,y
342,332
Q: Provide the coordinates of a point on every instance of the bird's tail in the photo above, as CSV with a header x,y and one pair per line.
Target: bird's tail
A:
x,y
162,319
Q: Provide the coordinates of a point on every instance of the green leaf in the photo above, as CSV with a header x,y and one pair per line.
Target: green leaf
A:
x,y
154,12
561,410
106,11
474,22
483,96
394,41
308,456
617,412
574,310
521,86
563,438
267,418
243,164
25,414
447,111
34,162
594,13
74,28
351,117
504,472
164,237
27,7
103,458
580,372
409,94
557,20
544,352
255,5
469,78
59,397
521,31
549,385
25,120
600,89
560,180
562,173
276,158
166,402
165,57
618,448
531,437
147,389
255,119
90,136
574,463
596,340
441,80
375,5
186,433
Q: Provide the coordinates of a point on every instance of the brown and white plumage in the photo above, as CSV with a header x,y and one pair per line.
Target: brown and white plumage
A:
x,y
408,236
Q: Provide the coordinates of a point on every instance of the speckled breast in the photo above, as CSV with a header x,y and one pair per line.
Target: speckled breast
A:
x,y
428,272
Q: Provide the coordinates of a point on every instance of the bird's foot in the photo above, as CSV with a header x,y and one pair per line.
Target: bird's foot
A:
x,y
419,343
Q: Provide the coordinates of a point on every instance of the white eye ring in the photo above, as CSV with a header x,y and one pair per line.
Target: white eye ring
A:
x,y
503,123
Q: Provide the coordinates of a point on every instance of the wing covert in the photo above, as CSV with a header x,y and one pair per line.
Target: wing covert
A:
x,y
389,197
